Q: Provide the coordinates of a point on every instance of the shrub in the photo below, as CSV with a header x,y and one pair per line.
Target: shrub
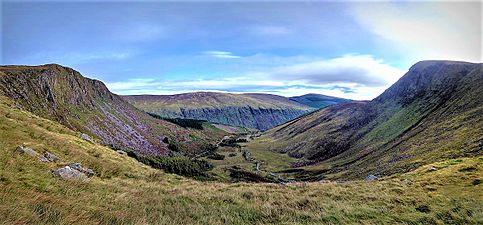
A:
x,y
186,123
216,156
180,165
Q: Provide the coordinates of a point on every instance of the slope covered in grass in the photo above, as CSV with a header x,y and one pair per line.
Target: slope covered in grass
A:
x,y
258,111
123,191
432,113
85,105
318,101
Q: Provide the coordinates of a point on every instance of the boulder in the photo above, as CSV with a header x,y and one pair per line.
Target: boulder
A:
x,y
31,152
432,169
371,177
51,157
121,152
69,173
86,171
27,150
86,137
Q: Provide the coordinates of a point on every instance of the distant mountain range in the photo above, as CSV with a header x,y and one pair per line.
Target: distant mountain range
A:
x,y
418,146
433,112
258,111
318,101
85,105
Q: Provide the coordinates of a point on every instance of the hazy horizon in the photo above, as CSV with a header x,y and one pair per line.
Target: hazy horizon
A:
x,y
340,49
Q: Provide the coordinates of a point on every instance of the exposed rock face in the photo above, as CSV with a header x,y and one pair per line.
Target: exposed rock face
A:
x,y
85,105
258,111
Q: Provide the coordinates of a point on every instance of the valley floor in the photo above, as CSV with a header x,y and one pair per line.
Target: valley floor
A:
x,y
127,192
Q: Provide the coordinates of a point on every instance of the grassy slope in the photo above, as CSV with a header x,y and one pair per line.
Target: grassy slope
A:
x,y
198,100
126,192
432,114
318,101
258,111
64,95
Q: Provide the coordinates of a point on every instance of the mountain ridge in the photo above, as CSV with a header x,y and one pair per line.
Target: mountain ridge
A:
x,y
318,100
86,105
355,137
251,110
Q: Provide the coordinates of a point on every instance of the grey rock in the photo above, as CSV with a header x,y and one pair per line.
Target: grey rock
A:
x,y
31,152
86,171
86,137
51,157
371,177
121,152
27,150
69,173
433,169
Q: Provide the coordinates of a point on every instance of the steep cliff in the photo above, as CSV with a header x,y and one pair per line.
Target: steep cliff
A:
x,y
259,111
85,105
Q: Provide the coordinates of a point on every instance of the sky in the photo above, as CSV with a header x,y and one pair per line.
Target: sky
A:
x,y
349,49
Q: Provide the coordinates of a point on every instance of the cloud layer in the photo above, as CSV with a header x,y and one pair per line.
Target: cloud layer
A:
x,y
350,76
352,49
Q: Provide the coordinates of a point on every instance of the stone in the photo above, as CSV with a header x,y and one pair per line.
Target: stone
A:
x,y
432,169
31,152
371,177
121,152
27,150
51,157
69,173
86,171
85,137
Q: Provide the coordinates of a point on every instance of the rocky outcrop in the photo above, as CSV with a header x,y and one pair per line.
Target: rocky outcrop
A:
x,y
85,105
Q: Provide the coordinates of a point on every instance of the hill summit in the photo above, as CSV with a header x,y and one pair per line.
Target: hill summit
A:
x,y
86,105
431,113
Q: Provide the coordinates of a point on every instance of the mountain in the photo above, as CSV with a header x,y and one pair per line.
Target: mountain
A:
x,y
258,111
62,94
433,112
123,191
317,100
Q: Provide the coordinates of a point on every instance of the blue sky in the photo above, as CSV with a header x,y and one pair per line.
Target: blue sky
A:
x,y
349,49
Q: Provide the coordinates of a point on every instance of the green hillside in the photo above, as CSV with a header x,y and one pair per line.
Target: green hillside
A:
x,y
257,111
432,113
85,105
318,101
123,191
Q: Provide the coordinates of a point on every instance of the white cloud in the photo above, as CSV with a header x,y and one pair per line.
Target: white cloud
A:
x,y
360,69
359,77
220,54
426,30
